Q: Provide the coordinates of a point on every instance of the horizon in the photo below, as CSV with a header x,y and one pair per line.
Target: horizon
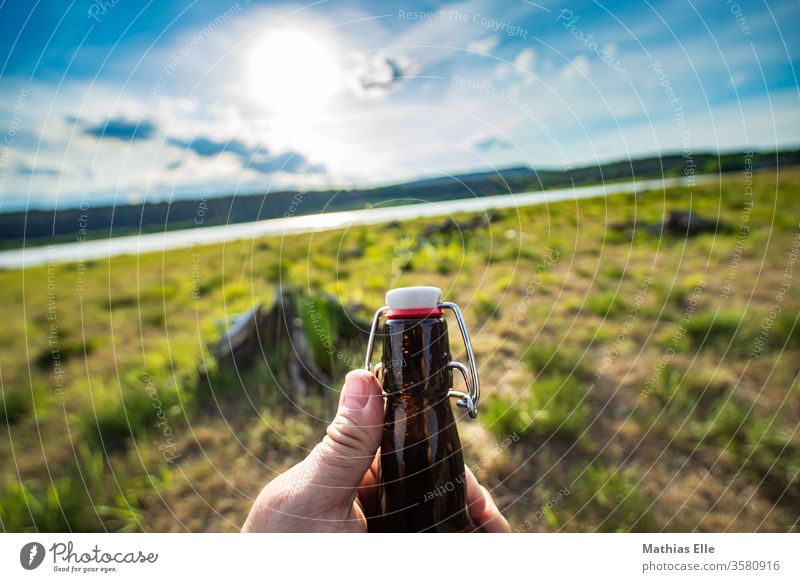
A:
x,y
171,198
368,94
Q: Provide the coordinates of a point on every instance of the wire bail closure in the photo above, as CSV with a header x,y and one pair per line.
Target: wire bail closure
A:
x,y
467,400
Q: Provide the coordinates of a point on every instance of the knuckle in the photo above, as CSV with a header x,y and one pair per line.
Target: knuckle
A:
x,y
345,436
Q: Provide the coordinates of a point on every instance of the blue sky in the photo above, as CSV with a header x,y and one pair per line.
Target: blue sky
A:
x,y
121,102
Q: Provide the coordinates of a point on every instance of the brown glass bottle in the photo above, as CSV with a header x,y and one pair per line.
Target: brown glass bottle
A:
x,y
422,486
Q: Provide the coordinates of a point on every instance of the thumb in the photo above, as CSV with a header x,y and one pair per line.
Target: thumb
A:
x,y
340,461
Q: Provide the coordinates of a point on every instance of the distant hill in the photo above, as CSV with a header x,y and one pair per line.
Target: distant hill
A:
x,y
37,227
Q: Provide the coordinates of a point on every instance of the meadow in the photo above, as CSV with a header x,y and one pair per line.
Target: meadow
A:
x,y
633,379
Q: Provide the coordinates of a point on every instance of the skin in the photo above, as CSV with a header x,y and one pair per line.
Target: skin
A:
x,y
334,488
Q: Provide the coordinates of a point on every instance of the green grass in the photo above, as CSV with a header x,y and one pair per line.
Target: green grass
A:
x,y
688,408
505,416
701,414
82,499
37,506
554,407
555,404
605,499
235,429
559,407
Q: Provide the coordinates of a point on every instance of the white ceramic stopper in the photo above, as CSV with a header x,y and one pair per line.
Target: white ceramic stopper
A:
x,y
414,298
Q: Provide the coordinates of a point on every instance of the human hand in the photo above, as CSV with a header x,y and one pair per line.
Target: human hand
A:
x,y
333,488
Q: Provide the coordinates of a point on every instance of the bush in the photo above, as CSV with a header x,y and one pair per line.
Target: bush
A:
x,y
110,425
445,258
606,304
547,359
614,271
68,349
786,331
772,456
278,271
716,330
14,404
726,425
484,307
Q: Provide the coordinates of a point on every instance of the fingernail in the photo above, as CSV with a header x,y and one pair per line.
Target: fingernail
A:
x,y
356,392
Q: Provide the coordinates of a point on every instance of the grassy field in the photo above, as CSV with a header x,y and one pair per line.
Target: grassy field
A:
x,y
633,381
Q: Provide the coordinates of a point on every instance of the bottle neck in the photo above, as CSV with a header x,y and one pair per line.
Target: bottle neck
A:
x,y
416,354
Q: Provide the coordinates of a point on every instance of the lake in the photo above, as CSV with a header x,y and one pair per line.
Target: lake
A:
x,y
163,241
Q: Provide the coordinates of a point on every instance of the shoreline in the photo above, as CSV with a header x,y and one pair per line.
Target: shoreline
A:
x,y
96,249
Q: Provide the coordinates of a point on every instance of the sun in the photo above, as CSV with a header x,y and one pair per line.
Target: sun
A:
x,y
293,73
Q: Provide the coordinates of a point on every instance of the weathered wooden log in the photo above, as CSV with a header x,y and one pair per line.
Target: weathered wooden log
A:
x,y
240,343
286,345
283,334
688,223
452,226
683,223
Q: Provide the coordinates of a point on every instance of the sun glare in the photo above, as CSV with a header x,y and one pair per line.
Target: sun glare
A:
x,y
293,73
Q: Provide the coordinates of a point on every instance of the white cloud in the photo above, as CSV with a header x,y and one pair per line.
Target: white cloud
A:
x,y
502,71
484,45
739,78
525,60
576,68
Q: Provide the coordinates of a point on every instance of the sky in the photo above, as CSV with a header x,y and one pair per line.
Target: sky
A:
x,y
115,101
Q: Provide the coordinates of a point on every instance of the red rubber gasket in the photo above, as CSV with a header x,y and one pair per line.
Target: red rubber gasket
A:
x,y
414,313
